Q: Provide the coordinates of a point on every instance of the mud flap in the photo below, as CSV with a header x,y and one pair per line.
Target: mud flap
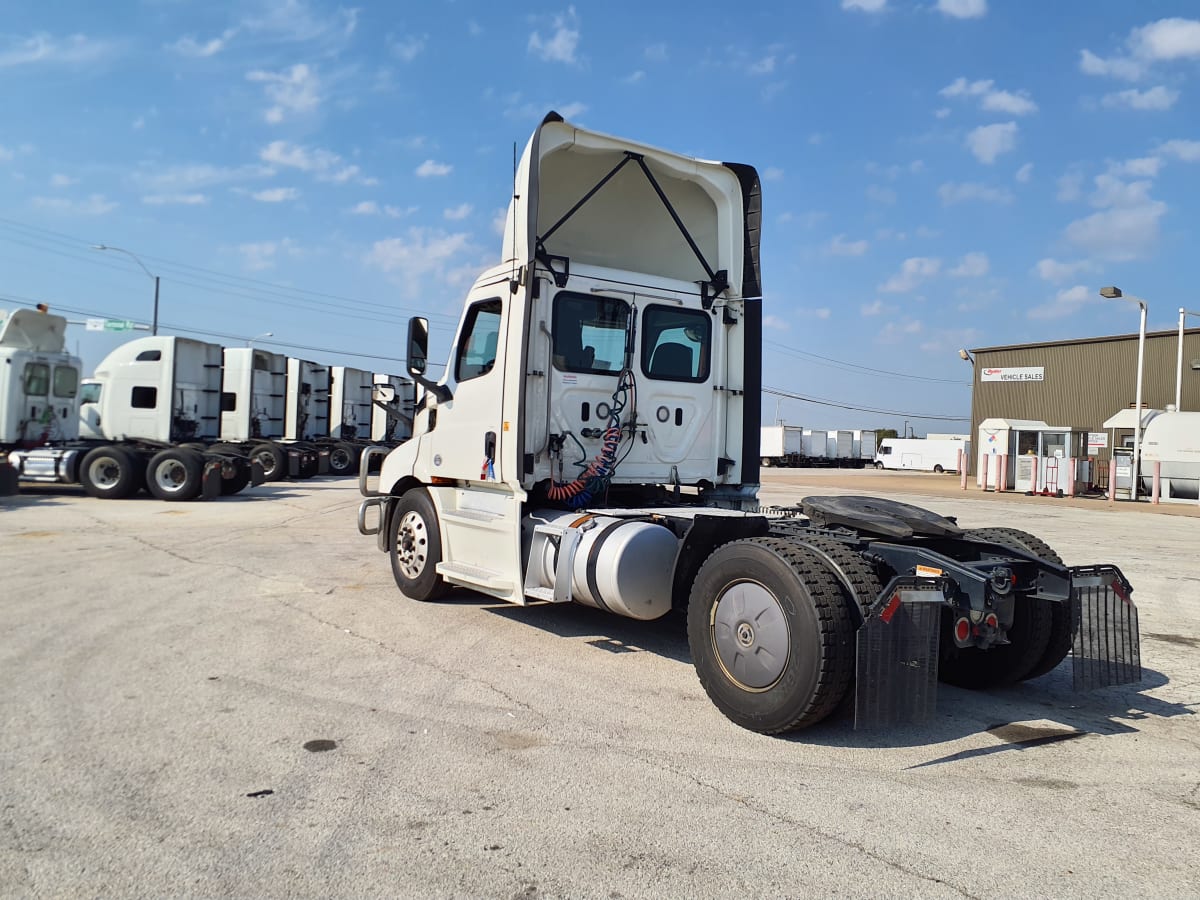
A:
x,y
257,476
896,676
1107,647
210,481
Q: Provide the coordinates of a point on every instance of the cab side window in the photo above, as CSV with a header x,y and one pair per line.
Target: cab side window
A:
x,y
480,337
37,379
675,343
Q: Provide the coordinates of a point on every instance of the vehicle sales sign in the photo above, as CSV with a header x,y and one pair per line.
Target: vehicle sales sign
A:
x,y
1014,373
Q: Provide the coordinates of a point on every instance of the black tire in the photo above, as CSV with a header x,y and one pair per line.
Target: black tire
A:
x,y
804,617
938,469
343,459
238,477
272,458
110,472
175,474
766,462
1061,635
878,465
860,582
415,547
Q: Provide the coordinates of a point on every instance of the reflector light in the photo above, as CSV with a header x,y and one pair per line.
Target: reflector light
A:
x,y
991,621
890,609
962,629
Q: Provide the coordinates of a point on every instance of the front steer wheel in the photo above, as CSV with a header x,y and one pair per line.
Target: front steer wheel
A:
x,y
771,635
415,547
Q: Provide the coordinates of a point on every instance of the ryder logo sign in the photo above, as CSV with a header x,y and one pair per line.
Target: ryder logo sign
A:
x,y
1014,373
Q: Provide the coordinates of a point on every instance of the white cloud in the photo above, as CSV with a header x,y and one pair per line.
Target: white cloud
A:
x,y
365,208
990,97
867,6
772,173
963,9
951,193
43,48
431,169
260,255
294,21
1119,234
56,180
559,46
876,308
656,53
763,66
814,312
899,332
1112,191
1142,167
1167,39
633,77
1185,151
420,253
408,48
839,246
973,265
1070,187
1066,302
371,208
1116,67
913,271
94,205
881,194
1024,173
1155,99
189,46
190,177
941,113
774,323
196,199
276,195
297,156
293,91
458,213
1055,271
990,141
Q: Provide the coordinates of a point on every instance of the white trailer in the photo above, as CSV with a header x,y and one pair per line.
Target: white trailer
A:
x,y
921,454
145,419
392,420
781,445
595,439
816,444
864,446
253,413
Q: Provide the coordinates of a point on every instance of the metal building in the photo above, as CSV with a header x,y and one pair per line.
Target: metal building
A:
x,y
1082,383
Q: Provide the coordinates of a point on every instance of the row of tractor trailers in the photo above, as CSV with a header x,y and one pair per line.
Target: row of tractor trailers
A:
x,y
792,445
183,418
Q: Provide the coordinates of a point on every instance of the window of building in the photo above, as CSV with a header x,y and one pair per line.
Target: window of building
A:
x,y
481,335
144,398
675,343
149,356
89,393
589,333
37,379
66,381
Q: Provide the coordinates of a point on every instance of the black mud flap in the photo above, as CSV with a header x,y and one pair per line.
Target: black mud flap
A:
x,y
1107,647
323,462
257,476
9,484
896,680
210,482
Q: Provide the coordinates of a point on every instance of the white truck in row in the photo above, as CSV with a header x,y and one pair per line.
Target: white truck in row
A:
x,y
179,417
923,454
595,439
791,445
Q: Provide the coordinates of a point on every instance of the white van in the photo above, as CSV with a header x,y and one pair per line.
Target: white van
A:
x,y
920,454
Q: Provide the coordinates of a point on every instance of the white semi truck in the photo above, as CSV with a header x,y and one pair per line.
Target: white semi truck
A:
x,y
142,421
595,439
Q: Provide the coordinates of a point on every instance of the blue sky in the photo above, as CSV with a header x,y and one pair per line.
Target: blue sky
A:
x,y
935,174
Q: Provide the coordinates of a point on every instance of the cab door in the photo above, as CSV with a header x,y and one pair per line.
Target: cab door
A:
x,y
466,436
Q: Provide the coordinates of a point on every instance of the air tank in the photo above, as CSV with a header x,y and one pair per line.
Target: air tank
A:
x,y
621,565
1172,439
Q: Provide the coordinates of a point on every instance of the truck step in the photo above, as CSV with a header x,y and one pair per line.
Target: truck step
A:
x,y
473,576
476,518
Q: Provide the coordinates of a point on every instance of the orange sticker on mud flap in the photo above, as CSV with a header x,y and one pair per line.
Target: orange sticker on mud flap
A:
x,y
928,572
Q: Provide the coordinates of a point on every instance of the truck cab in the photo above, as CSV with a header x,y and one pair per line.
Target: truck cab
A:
x,y
39,380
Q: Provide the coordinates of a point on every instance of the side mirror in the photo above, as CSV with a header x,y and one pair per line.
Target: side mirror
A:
x,y
418,345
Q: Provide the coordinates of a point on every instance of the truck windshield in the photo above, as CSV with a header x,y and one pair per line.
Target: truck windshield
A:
x,y
589,333
89,393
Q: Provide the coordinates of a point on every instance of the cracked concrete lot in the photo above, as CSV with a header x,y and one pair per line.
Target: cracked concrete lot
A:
x,y
231,698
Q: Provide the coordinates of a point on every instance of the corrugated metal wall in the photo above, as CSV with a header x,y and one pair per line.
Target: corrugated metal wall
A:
x,y
1085,381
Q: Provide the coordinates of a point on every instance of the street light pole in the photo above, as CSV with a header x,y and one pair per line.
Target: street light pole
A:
x,y
1183,313
137,259
1114,293
250,343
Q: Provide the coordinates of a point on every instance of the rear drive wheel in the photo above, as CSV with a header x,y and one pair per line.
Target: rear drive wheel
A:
x,y
770,635
1060,613
272,458
110,472
175,474
938,469
415,547
342,459
766,462
879,465
235,475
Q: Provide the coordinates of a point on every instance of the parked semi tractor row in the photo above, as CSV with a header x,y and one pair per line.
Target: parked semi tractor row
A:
x,y
595,439
180,417
791,445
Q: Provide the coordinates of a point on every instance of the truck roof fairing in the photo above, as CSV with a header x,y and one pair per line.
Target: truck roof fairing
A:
x,y
606,201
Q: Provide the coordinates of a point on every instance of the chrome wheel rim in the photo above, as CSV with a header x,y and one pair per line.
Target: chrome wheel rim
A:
x,y
170,474
104,472
266,459
412,545
750,634
339,460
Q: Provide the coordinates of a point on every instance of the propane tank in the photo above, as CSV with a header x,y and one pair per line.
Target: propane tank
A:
x,y
624,566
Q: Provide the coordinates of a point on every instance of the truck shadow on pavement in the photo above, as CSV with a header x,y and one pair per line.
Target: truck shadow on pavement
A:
x,y
959,713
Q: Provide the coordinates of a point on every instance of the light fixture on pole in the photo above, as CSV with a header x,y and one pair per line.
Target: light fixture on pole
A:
x,y
963,354
250,342
777,402
136,259
1114,293
1183,313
